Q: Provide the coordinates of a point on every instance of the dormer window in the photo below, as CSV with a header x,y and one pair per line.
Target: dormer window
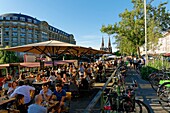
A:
x,y
35,21
22,18
15,18
29,20
1,18
7,18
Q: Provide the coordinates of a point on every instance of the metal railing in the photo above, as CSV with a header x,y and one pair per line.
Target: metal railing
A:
x,y
99,95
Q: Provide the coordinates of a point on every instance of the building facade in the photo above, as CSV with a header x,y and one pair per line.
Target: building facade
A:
x,y
162,47
19,29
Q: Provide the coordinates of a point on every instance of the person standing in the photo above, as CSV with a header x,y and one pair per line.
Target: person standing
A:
x,y
24,90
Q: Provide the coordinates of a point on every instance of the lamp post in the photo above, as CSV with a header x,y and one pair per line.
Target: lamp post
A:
x,y
146,56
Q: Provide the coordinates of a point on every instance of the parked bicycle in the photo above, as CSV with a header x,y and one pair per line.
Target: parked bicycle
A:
x,y
156,77
163,93
122,100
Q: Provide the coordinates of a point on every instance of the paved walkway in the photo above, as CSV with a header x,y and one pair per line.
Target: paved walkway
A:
x,y
145,92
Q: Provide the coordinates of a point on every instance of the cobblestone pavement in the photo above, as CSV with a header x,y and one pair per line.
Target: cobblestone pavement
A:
x,y
145,92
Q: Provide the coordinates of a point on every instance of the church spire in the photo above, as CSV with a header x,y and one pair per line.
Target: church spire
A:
x,y
109,45
102,46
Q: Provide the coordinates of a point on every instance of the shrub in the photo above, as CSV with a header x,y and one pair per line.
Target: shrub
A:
x,y
153,66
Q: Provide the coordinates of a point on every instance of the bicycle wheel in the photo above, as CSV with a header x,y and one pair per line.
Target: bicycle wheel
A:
x,y
163,92
154,80
141,107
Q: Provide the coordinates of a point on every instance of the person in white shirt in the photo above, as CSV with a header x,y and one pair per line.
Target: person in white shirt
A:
x,y
24,90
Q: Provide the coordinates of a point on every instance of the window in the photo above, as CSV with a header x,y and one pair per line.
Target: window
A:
x,y
7,23
22,29
14,29
22,24
15,18
6,39
6,34
15,39
14,34
22,34
7,18
35,41
30,31
30,35
14,44
29,20
14,23
36,32
35,36
22,18
6,29
29,40
22,40
0,31
44,36
35,21
22,43
1,18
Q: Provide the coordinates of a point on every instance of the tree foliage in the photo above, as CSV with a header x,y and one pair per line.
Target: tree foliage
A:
x,y
131,30
8,57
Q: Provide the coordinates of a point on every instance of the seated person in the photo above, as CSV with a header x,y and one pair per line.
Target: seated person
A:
x,y
24,90
73,87
5,82
37,107
20,103
14,85
60,94
84,83
65,79
37,78
31,74
45,92
58,78
21,77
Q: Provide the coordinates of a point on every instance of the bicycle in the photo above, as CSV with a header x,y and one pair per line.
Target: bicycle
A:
x,y
156,77
163,93
124,101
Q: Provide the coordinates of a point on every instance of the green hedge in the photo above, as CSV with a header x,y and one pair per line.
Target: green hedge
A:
x,y
153,66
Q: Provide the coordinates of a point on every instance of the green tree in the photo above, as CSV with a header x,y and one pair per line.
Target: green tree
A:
x,y
131,27
8,57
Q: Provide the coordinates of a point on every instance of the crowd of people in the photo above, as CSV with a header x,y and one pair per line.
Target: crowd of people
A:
x,y
62,79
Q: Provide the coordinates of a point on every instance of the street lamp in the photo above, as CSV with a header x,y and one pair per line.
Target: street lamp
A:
x,y
146,56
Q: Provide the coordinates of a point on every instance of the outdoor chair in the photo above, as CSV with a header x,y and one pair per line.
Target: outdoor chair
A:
x,y
66,108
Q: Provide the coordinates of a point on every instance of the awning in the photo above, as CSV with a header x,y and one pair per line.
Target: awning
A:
x,y
166,54
2,66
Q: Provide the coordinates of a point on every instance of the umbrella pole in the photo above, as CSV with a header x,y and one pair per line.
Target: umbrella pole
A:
x,y
53,62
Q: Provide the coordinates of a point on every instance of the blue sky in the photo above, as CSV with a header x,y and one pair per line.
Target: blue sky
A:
x,y
82,18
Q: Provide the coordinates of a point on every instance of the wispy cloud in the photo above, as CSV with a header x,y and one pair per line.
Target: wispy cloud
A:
x,y
89,41
91,37
89,44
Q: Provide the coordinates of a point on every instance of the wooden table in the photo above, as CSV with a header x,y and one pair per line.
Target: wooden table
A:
x,y
49,105
4,100
41,83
